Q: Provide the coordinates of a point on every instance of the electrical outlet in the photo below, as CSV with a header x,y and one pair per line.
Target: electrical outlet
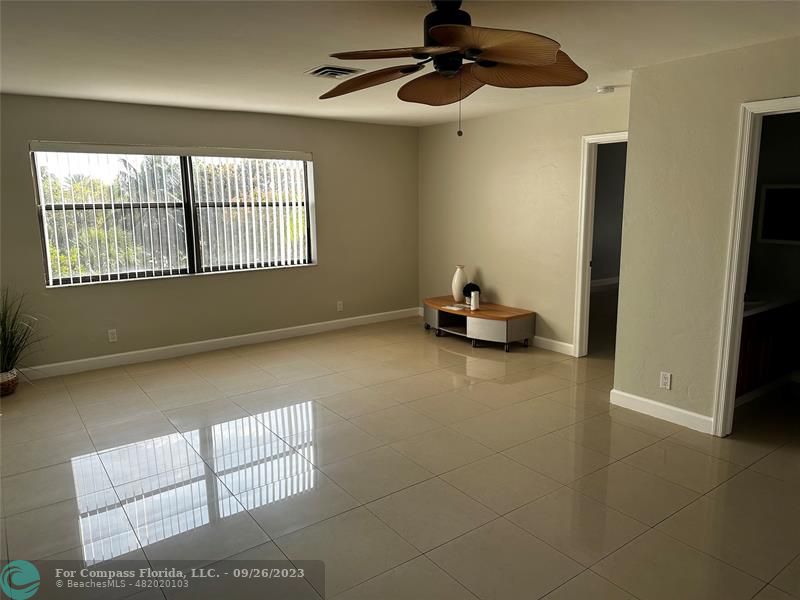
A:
x,y
112,335
339,306
665,381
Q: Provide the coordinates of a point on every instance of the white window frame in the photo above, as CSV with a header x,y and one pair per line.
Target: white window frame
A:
x,y
185,153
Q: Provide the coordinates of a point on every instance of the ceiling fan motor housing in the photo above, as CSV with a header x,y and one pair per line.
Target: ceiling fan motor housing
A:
x,y
448,12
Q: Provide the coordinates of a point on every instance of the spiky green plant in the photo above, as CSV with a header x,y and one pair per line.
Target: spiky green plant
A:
x,y
17,332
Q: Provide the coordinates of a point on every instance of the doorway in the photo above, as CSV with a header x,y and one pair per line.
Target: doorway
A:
x,y
741,335
599,243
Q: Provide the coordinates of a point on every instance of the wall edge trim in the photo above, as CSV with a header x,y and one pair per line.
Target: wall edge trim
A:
x,y
665,412
554,345
184,349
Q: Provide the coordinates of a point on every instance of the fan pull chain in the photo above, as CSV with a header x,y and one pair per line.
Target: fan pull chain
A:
x,y
460,82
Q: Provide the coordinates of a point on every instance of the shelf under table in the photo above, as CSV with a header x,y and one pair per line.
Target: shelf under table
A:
x,y
494,323
455,330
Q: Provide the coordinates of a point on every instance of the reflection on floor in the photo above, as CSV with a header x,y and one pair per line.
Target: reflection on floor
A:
x,y
414,466
603,320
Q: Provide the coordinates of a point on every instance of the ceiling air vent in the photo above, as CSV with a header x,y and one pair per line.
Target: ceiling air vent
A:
x,y
333,72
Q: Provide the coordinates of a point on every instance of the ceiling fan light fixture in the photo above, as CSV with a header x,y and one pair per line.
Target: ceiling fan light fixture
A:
x,y
465,58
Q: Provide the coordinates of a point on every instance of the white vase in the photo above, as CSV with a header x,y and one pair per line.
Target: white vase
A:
x,y
459,281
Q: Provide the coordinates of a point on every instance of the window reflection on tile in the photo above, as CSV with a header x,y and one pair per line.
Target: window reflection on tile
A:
x,y
104,530
88,475
281,490
168,504
172,484
149,457
238,436
297,418
245,454
285,466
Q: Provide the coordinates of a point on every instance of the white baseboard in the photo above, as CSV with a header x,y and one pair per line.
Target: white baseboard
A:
x,y
554,345
421,311
162,352
659,410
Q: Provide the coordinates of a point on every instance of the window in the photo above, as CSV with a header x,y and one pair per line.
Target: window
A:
x,y
251,213
109,214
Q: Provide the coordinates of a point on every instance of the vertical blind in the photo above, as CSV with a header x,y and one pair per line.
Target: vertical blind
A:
x,y
113,216
250,212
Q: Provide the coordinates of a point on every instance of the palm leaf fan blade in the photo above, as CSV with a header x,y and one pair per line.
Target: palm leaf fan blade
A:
x,y
499,45
435,89
371,79
415,52
561,73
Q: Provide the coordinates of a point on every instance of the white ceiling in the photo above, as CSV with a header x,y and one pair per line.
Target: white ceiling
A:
x,y
252,55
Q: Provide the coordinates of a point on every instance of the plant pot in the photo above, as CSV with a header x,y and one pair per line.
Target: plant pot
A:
x,y
8,382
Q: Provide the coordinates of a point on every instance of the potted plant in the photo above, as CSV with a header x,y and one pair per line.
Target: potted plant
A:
x,y
16,337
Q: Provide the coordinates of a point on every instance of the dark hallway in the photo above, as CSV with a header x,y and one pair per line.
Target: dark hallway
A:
x,y
606,247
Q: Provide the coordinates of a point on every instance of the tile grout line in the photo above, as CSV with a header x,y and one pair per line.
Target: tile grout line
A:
x,y
589,570
276,541
388,444
365,506
220,483
112,488
583,568
679,541
383,444
108,476
653,527
495,452
420,556
789,564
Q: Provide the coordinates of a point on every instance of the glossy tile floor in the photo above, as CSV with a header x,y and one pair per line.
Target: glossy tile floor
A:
x,y
416,467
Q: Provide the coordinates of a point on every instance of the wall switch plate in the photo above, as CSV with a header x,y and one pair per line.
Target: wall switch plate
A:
x,y
665,381
339,306
112,335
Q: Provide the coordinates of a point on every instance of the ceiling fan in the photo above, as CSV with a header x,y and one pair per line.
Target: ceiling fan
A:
x,y
465,58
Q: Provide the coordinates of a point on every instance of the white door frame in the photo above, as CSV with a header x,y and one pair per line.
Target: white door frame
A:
x,y
750,117
583,283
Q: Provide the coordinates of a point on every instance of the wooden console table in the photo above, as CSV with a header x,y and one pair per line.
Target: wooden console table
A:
x,y
490,323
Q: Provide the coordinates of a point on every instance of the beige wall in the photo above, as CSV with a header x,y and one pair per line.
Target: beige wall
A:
x,y
678,202
366,194
503,200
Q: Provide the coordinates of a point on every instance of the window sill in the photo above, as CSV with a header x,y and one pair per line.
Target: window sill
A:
x,y
177,276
